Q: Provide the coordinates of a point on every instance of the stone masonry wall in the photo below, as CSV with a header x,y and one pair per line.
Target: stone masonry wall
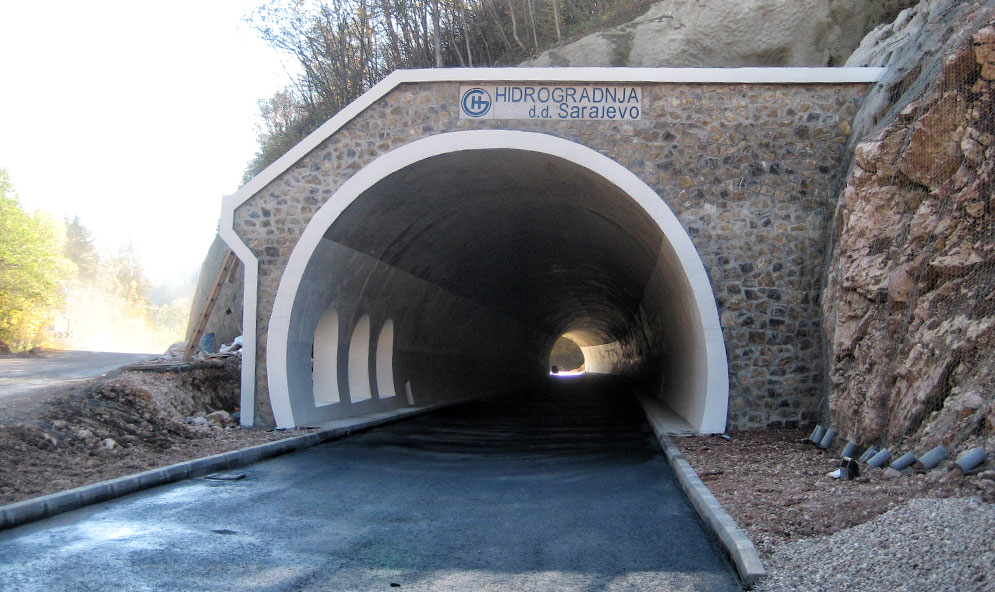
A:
x,y
749,170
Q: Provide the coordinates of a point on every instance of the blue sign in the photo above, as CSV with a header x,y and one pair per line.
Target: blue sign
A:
x,y
476,102
583,102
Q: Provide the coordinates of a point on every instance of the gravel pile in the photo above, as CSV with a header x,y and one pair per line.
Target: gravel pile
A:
x,y
926,544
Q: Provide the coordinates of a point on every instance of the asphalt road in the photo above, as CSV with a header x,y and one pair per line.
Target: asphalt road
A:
x,y
22,375
27,381
559,490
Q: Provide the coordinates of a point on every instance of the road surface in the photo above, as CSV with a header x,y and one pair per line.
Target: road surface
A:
x,y
26,381
561,490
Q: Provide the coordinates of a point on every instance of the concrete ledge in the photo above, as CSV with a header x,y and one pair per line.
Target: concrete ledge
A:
x,y
45,506
740,548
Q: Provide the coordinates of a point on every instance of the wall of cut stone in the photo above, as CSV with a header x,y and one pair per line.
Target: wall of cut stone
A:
x,y
751,172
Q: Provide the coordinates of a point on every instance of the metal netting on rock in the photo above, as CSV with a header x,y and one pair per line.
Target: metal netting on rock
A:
x,y
909,302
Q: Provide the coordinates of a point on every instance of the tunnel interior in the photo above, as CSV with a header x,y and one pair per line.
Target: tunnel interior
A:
x,y
451,278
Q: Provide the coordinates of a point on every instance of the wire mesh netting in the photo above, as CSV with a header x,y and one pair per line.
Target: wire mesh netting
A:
x,y
909,302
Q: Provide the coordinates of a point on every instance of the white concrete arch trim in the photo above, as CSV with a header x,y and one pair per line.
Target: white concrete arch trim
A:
x,y
717,382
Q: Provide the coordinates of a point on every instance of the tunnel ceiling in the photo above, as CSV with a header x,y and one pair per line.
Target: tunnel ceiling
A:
x,y
534,237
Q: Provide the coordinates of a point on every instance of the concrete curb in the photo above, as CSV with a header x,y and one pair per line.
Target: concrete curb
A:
x,y
37,508
735,542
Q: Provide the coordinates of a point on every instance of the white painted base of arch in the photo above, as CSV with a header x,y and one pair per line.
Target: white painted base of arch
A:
x,y
324,360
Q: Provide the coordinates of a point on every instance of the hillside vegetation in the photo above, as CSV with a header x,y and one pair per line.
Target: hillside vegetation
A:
x,y
30,269
344,47
57,288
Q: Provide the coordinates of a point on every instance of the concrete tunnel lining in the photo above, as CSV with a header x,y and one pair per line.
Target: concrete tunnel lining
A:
x,y
699,390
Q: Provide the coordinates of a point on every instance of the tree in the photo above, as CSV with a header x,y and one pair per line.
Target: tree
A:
x,y
131,284
81,250
284,121
556,18
344,47
30,269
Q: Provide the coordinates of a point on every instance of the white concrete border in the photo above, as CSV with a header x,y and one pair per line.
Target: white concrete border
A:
x,y
581,75
250,294
716,380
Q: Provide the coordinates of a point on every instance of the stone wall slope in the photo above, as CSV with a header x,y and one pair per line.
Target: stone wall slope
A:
x,y
225,320
731,33
909,303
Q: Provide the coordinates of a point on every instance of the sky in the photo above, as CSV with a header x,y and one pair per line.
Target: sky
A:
x,y
137,116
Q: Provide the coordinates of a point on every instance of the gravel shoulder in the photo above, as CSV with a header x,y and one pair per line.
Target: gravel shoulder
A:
x,y
940,545
880,532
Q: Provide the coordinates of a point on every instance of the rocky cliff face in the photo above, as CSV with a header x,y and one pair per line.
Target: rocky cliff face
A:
x,y
731,33
909,304
913,49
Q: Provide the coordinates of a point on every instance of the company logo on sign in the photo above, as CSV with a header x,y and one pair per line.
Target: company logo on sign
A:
x,y
551,102
476,102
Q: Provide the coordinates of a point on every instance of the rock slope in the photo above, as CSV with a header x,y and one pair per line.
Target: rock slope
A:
x,y
731,33
909,305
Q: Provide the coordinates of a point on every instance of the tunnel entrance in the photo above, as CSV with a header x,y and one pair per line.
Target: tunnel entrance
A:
x,y
480,249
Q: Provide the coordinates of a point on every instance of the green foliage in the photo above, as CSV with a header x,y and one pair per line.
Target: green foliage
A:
x,y
30,269
49,269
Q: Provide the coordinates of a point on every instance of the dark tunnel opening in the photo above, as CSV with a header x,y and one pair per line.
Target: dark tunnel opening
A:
x,y
452,278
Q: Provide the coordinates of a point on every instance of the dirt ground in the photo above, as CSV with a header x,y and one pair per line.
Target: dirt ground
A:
x,y
776,486
123,423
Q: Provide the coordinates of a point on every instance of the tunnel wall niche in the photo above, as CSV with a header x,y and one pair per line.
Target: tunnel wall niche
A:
x,y
437,336
386,387
444,343
325,359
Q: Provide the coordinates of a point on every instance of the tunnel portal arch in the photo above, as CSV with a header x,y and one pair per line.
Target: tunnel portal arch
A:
x,y
698,392
748,159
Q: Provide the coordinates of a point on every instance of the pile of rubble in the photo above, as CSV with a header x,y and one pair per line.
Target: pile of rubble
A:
x,y
136,419
175,353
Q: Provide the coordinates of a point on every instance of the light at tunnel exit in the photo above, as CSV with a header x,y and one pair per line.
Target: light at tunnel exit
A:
x,y
566,358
